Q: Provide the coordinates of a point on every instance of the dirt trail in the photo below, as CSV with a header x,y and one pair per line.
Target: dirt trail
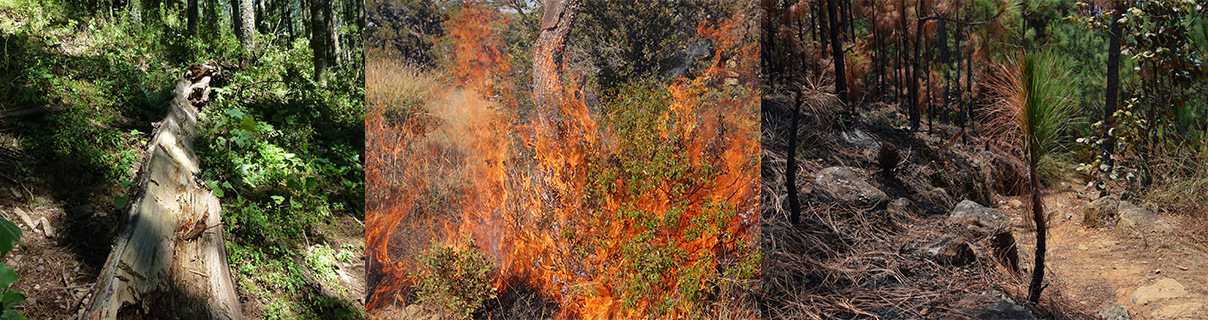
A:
x,y
1095,268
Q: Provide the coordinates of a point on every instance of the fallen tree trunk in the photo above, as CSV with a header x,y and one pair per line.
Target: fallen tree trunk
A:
x,y
169,261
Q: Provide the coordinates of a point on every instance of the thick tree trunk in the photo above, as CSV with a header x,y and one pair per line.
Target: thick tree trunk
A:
x,y
837,56
169,261
333,49
1113,82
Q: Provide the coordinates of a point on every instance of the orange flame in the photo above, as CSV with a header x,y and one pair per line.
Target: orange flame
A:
x,y
524,190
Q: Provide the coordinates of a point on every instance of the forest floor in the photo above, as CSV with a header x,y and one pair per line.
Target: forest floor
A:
x,y
849,260
1097,267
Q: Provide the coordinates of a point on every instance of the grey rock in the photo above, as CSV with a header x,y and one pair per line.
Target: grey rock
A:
x,y
976,221
24,218
1101,212
949,249
1134,217
849,185
1114,312
82,210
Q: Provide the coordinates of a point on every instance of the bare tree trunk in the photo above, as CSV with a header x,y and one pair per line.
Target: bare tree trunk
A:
x,y
248,26
548,54
946,65
1036,285
136,13
192,16
333,48
319,38
914,75
1113,82
837,56
790,176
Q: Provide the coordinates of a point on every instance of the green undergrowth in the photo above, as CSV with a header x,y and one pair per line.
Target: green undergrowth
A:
x,y
284,153
281,150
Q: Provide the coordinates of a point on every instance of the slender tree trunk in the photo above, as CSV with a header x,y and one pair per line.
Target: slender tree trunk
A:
x,y
790,178
946,65
1113,83
837,55
334,46
248,26
192,16
136,13
823,25
914,75
318,39
1036,285
237,19
548,53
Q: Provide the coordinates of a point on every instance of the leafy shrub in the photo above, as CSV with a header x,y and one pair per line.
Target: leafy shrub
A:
x,y
455,279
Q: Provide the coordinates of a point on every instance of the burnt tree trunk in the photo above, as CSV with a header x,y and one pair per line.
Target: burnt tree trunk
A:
x,y
169,261
837,56
1036,286
1113,83
790,178
914,66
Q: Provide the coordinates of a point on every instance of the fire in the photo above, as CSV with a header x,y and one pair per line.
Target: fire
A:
x,y
550,197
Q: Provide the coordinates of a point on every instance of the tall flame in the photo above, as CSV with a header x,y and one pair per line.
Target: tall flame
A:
x,y
529,189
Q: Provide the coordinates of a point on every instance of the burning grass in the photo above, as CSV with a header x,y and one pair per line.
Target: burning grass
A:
x,y
643,205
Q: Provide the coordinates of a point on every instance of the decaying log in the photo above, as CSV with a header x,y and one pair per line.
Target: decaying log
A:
x,y
169,261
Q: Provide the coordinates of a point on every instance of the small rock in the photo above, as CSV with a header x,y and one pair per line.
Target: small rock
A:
x,y
1114,312
903,206
976,221
47,230
1134,217
79,211
949,249
24,218
850,185
1100,212
1161,290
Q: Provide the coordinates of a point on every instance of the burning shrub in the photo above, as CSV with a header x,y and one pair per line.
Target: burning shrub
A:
x,y
455,279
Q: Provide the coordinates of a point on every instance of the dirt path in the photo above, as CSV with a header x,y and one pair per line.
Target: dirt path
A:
x,y
1095,268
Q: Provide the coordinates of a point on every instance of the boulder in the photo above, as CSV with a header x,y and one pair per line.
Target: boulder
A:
x,y
976,221
1114,312
949,249
1100,212
1161,290
849,185
1137,218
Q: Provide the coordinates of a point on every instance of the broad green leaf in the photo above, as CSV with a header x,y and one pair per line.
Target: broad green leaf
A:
x,y
11,299
12,315
121,201
7,276
9,235
278,199
218,193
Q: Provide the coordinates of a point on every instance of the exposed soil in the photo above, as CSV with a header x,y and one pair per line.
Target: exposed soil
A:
x,y
1101,267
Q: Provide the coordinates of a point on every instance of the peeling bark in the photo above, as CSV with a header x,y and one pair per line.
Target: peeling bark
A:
x,y
169,260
